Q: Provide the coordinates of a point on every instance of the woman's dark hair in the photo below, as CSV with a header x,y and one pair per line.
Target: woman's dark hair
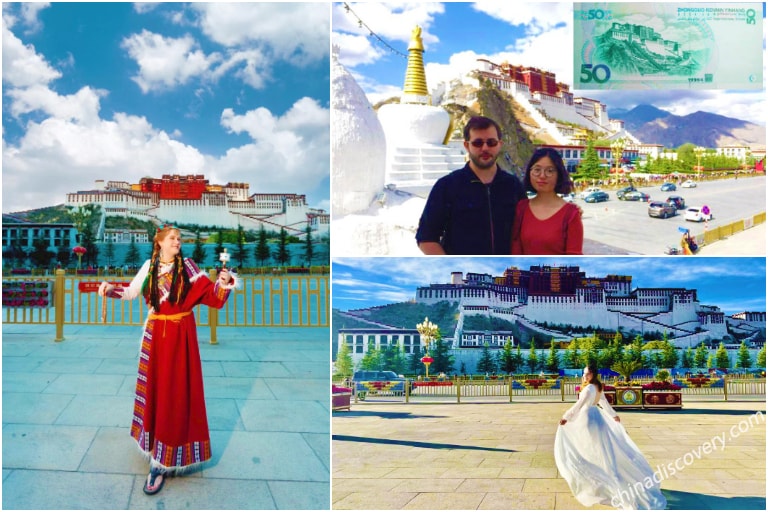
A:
x,y
563,185
595,377
480,123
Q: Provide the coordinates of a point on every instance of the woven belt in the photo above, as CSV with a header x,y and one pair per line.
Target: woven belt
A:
x,y
173,318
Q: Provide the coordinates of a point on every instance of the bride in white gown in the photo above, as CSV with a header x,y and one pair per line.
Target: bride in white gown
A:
x,y
597,458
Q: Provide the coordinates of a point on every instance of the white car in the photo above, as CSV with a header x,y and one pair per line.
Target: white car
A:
x,y
688,184
589,190
698,214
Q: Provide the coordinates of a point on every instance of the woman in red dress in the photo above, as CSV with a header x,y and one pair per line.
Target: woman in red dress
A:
x,y
547,224
170,423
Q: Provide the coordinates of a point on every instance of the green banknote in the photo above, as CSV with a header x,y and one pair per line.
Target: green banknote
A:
x,y
661,45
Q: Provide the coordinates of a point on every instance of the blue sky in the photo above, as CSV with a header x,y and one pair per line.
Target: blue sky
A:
x,y
117,91
733,284
538,34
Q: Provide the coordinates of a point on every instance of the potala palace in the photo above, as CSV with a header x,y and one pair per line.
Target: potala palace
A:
x,y
191,199
565,296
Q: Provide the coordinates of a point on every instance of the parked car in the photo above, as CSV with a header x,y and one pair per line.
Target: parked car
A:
x,y
379,382
569,198
636,195
659,209
596,197
688,184
698,214
676,201
589,190
668,187
620,193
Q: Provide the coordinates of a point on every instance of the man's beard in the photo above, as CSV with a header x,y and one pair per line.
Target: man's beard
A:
x,y
480,164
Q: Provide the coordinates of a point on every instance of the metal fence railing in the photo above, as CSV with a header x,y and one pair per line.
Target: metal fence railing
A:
x,y
269,300
558,389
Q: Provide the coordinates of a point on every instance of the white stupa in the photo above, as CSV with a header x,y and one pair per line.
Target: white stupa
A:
x,y
416,131
358,145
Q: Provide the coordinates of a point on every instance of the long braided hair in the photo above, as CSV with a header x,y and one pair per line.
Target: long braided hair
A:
x,y
180,282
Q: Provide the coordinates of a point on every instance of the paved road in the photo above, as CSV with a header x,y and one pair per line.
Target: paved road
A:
x,y
625,227
67,412
499,456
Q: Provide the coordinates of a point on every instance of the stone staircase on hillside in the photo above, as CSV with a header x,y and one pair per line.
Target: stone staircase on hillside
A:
x,y
416,168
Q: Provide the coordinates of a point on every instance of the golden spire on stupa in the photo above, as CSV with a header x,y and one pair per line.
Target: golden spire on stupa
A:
x,y
415,88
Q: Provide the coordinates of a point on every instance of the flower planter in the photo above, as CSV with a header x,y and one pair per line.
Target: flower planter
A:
x,y
662,399
340,398
629,396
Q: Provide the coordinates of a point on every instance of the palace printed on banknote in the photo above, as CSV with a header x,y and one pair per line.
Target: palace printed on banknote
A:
x,y
667,45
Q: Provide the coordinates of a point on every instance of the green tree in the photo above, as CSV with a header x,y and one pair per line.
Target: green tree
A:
x,y
241,254
589,167
219,243
635,351
743,359
415,366
64,255
518,359
553,360
372,358
344,363
393,358
721,357
761,358
533,360
572,356
132,254
109,251
88,240
309,250
700,357
669,355
486,364
710,360
281,254
507,358
443,359
41,256
687,358
262,247
199,253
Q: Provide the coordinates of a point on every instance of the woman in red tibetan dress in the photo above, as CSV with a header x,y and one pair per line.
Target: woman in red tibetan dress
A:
x,y
169,418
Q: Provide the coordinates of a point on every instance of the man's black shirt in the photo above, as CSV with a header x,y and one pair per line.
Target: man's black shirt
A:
x,y
469,217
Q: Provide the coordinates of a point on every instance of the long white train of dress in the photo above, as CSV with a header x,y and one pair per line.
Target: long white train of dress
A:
x,y
600,462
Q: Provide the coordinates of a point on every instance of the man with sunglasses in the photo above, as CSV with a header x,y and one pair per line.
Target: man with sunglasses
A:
x,y
471,210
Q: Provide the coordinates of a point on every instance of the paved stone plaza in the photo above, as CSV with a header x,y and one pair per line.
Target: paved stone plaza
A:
x,y
496,456
67,409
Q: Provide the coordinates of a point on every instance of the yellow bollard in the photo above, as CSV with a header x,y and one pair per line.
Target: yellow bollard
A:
x,y
58,304
213,313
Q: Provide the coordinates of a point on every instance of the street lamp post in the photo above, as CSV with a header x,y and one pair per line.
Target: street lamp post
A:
x,y
428,332
698,150
617,150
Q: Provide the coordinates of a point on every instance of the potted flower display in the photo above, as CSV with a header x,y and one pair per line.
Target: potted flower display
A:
x,y
662,394
628,394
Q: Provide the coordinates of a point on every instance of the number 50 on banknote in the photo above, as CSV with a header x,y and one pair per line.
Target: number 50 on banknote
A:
x,y
661,45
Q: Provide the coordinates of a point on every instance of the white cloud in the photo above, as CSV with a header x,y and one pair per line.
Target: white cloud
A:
x,y
286,150
392,22
165,62
29,11
537,17
296,32
22,67
72,147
